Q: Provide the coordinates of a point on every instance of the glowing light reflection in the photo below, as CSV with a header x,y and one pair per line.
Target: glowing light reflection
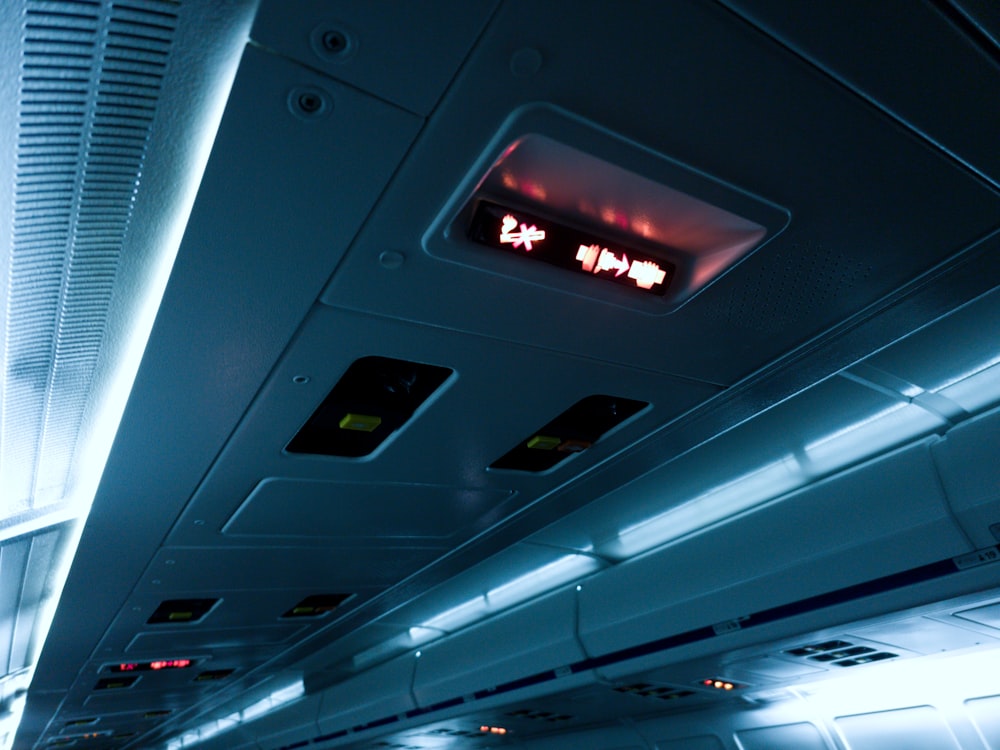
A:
x,y
272,702
735,496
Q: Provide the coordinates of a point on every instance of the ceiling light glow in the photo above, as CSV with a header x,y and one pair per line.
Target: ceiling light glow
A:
x,y
735,496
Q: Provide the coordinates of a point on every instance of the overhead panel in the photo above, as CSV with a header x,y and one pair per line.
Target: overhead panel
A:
x,y
407,57
443,452
353,512
571,432
373,399
882,49
242,568
207,640
317,146
289,140
780,133
648,232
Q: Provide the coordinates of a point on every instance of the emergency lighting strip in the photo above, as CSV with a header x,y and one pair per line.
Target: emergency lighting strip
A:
x,y
922,574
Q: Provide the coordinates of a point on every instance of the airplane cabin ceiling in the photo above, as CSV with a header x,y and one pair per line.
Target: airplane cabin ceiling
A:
x,y
328,227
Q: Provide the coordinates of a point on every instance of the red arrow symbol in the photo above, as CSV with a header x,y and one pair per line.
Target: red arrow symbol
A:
x,y
623,265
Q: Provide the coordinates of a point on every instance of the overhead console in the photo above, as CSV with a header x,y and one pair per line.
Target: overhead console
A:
x,y
608,219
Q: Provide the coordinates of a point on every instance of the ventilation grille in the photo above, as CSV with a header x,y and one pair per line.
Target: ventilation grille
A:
x,y
770,290
841,653
646,690
550,716
448,732
91,74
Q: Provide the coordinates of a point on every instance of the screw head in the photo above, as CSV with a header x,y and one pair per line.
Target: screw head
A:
x,y
333,42
309,102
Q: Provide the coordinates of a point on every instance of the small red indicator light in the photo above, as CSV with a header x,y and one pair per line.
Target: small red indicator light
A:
x,y
721,684
485,729
170,664
147,666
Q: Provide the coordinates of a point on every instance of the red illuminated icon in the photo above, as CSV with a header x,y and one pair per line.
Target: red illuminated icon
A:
x,y
594,258
610,261
170,664
511,235
588,256
646,274
486,729
127,667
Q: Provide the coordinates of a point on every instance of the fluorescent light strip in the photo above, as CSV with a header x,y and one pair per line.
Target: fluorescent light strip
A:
x,y
274,701
878,433
516,591
722,502
887,429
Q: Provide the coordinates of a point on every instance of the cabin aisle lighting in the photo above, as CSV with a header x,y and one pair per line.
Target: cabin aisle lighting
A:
x,y
272,702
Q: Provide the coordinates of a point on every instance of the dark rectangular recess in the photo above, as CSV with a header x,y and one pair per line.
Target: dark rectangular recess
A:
x,y
817,648
370,402
115,683
214,674
586,252
573,431
181,611
331,736
881,656
316,605
824,657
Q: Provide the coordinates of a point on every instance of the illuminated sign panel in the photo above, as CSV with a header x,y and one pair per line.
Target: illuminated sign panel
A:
x,y
151,666
531,236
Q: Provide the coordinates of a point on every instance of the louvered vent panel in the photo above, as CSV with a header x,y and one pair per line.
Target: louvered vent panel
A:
x,y
91,74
